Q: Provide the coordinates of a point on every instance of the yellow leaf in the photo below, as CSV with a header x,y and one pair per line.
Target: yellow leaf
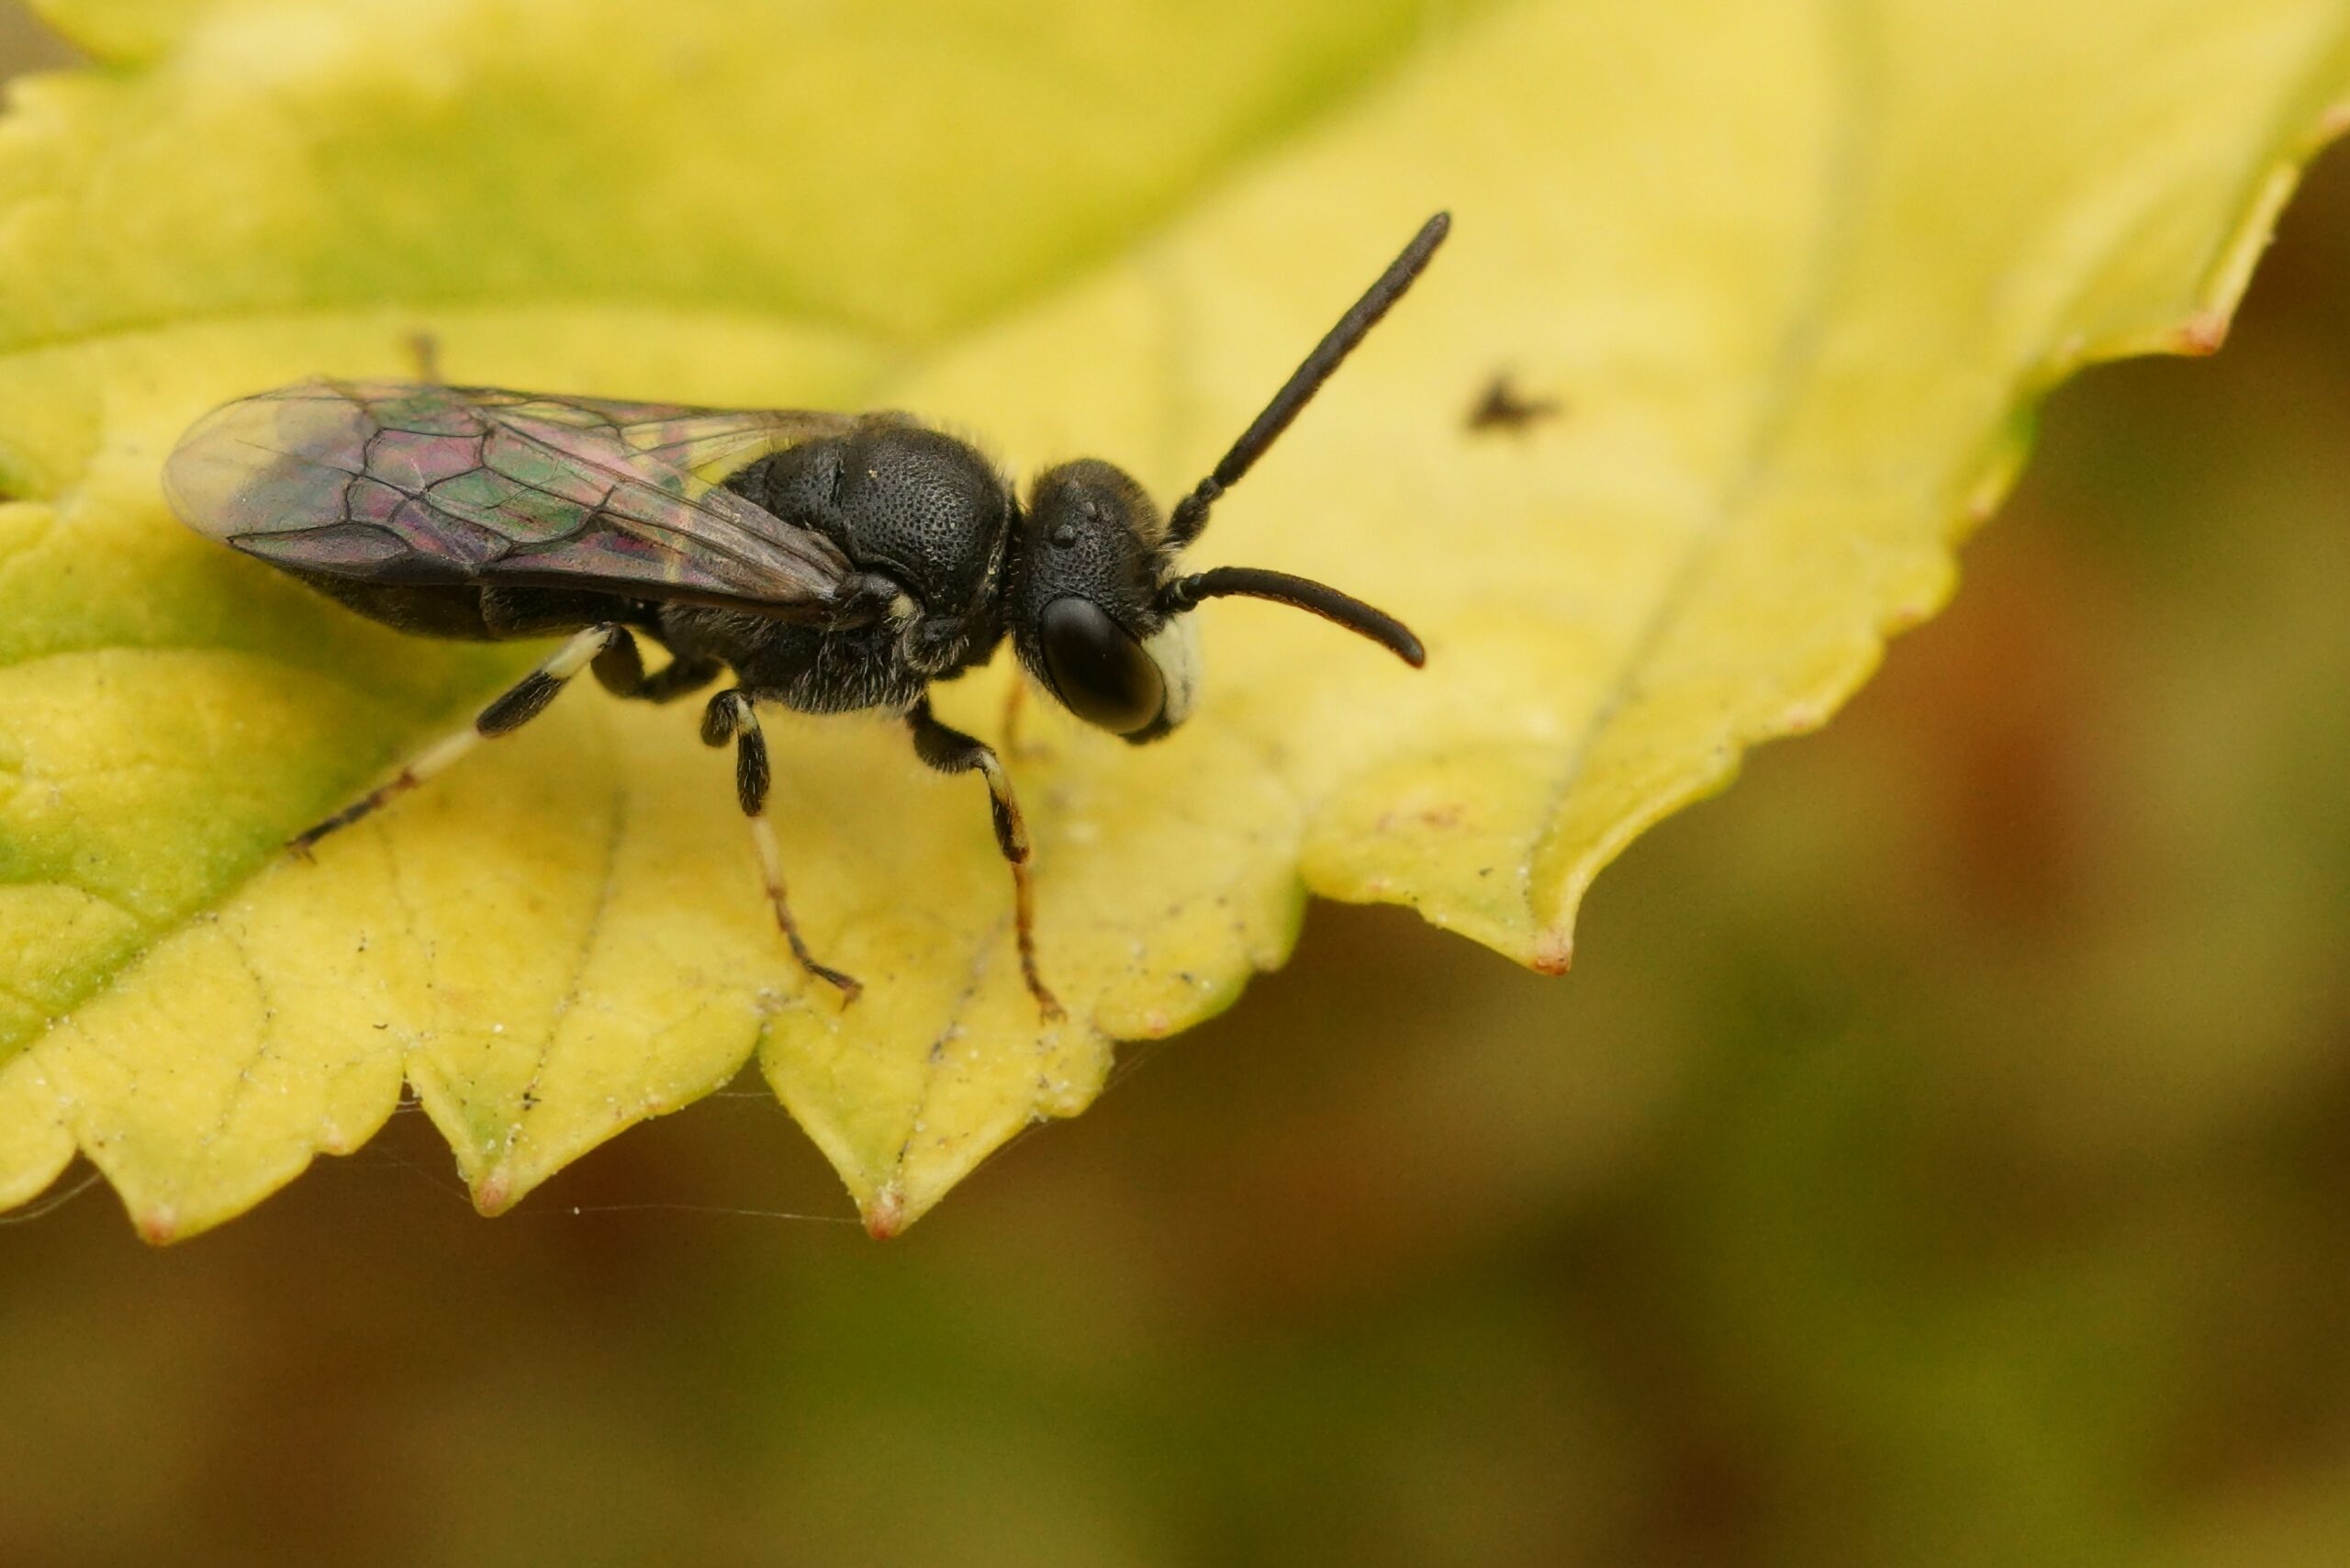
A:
x,y
120,31
1794,271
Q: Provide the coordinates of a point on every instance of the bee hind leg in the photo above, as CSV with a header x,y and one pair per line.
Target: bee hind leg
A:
x,y
424,356
731,716
951,751
511,709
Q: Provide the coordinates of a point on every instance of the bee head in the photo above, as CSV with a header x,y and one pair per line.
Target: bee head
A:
x,y
1086,615
1097,611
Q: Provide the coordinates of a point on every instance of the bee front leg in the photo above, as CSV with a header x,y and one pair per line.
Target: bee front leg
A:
x,y
424,356
730,715
1015,702
952,750
515,706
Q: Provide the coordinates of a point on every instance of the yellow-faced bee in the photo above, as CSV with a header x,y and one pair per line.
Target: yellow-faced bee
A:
x,y
832,561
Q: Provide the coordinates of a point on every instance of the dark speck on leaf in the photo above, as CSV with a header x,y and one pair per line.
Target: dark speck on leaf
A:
x,y
1502,407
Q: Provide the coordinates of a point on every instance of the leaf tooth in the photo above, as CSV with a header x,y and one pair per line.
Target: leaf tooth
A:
x,y
885,1212
494,1193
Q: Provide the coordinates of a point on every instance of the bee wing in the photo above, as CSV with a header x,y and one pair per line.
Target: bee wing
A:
x,y
405,483
708,443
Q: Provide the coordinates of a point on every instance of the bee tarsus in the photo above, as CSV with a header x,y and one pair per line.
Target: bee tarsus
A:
x,y
950,751
731,716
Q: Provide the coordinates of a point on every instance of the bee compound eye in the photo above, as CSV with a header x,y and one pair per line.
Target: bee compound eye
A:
x,y
1099,673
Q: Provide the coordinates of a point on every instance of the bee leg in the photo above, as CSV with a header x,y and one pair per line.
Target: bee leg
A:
x,y
619,666
424,356
516,706
622,674
864,598
729,714
952,750
1015,702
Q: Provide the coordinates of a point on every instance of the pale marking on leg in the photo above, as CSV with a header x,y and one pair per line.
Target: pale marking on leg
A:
x,y
746,728
1023,926
1012,838
1000,786
560,666
424,356
574,654
439,755
1016,704
419,769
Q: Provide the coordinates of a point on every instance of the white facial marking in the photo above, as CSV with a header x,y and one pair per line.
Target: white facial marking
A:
x,y
1175,649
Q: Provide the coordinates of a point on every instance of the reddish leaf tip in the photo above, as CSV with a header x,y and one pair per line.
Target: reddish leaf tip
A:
x,y
2203,332
885,1216
493,1195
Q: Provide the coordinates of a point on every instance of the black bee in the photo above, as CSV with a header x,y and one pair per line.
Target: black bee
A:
x,y
832,561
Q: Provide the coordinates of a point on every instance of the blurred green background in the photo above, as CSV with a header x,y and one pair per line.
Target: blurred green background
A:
x,y
1937,1156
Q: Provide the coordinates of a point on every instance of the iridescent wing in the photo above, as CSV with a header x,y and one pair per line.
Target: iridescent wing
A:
x,y
396,482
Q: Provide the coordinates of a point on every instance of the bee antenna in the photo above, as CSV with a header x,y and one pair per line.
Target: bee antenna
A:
x,y
1302,593
1190,514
